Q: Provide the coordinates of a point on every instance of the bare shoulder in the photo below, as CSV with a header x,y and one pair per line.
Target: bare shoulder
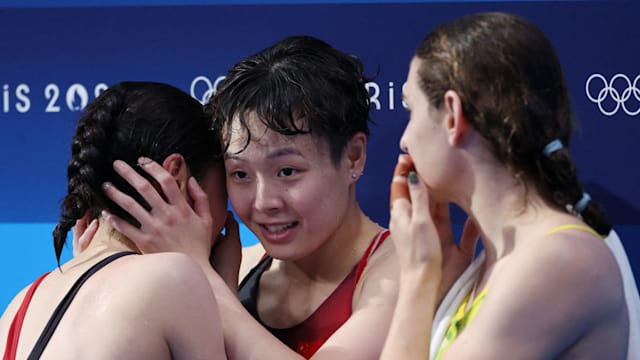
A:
x,y
374,302
575,258
166,285
570,267
546,297
251,255
380,277
164,279
162,300
162,270
566,267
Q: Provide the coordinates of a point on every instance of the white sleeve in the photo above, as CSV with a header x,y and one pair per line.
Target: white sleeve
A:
x,y
630,293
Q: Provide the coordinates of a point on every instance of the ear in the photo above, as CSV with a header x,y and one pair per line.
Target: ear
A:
x,y
177,167
356,154
457,124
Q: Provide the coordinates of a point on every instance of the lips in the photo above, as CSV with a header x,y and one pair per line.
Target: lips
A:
x,y
278,233
279,228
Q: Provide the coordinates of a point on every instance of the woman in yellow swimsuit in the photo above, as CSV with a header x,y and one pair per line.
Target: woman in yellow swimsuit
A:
x,y
489,123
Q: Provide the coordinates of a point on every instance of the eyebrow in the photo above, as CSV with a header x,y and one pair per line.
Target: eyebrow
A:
x,y
270,155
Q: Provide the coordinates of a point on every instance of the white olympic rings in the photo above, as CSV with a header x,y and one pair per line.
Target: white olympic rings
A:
x,y
620,98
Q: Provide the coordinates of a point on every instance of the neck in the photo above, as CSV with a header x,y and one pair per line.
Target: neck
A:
x,y
106,241
502,207
337,256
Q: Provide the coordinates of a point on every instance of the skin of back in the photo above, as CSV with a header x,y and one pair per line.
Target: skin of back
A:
x,y
139,307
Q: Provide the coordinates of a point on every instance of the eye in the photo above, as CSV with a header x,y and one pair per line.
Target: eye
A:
x,y
239,175
287,172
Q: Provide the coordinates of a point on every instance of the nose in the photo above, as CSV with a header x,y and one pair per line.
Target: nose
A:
x,y
267,197
403,143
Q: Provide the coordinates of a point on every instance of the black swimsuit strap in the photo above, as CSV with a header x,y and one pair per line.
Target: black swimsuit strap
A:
x,y
248,288
51,326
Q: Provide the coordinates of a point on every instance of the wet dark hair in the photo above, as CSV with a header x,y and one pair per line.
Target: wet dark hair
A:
x,y
129,120
513,93
300,85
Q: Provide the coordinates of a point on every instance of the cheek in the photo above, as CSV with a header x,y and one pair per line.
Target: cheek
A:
x,y
240,200
321,204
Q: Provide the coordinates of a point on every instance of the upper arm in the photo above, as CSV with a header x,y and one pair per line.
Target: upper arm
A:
x,y
362,336
7,318
538,306
251,255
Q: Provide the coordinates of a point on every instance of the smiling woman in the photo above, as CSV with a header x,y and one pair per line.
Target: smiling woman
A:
x,y
274,173
294,123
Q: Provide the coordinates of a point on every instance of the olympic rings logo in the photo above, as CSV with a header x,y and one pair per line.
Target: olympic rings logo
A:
x,y
619,99
202,89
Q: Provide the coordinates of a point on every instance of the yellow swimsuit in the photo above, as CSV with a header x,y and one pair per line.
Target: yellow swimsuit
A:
x,y
460,320
463,316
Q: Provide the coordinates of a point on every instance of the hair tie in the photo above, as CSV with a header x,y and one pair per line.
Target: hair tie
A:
x,y
582,203
552,147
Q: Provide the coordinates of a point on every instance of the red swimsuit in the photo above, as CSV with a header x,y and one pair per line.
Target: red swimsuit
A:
x,y
307,337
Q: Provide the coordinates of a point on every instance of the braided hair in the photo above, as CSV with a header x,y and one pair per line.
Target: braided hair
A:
x,y
127,121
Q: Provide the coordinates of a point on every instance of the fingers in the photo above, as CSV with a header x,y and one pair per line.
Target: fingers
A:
x,y
166,181
77,231
142,185
420,202
127,203
200,199
399,186
400,218
81,240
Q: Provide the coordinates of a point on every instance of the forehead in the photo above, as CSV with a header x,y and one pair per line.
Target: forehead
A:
x,y
413,77
264,141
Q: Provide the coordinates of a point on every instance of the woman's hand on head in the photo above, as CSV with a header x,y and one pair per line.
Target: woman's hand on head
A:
x,y
226,254
83,233
171,224
413,228
422,232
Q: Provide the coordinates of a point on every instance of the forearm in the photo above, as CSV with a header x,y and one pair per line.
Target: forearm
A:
x,y
228,274
244,337
410,330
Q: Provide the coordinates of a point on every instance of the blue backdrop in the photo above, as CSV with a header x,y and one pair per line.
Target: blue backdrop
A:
x,y
54,58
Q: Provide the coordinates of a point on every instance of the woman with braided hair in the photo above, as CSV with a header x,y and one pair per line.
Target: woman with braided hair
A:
x,y
109,302
489,126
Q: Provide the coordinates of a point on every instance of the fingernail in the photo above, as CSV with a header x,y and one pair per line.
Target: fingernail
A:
x,y
106,185
142,161
413,178
105,214
117,164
